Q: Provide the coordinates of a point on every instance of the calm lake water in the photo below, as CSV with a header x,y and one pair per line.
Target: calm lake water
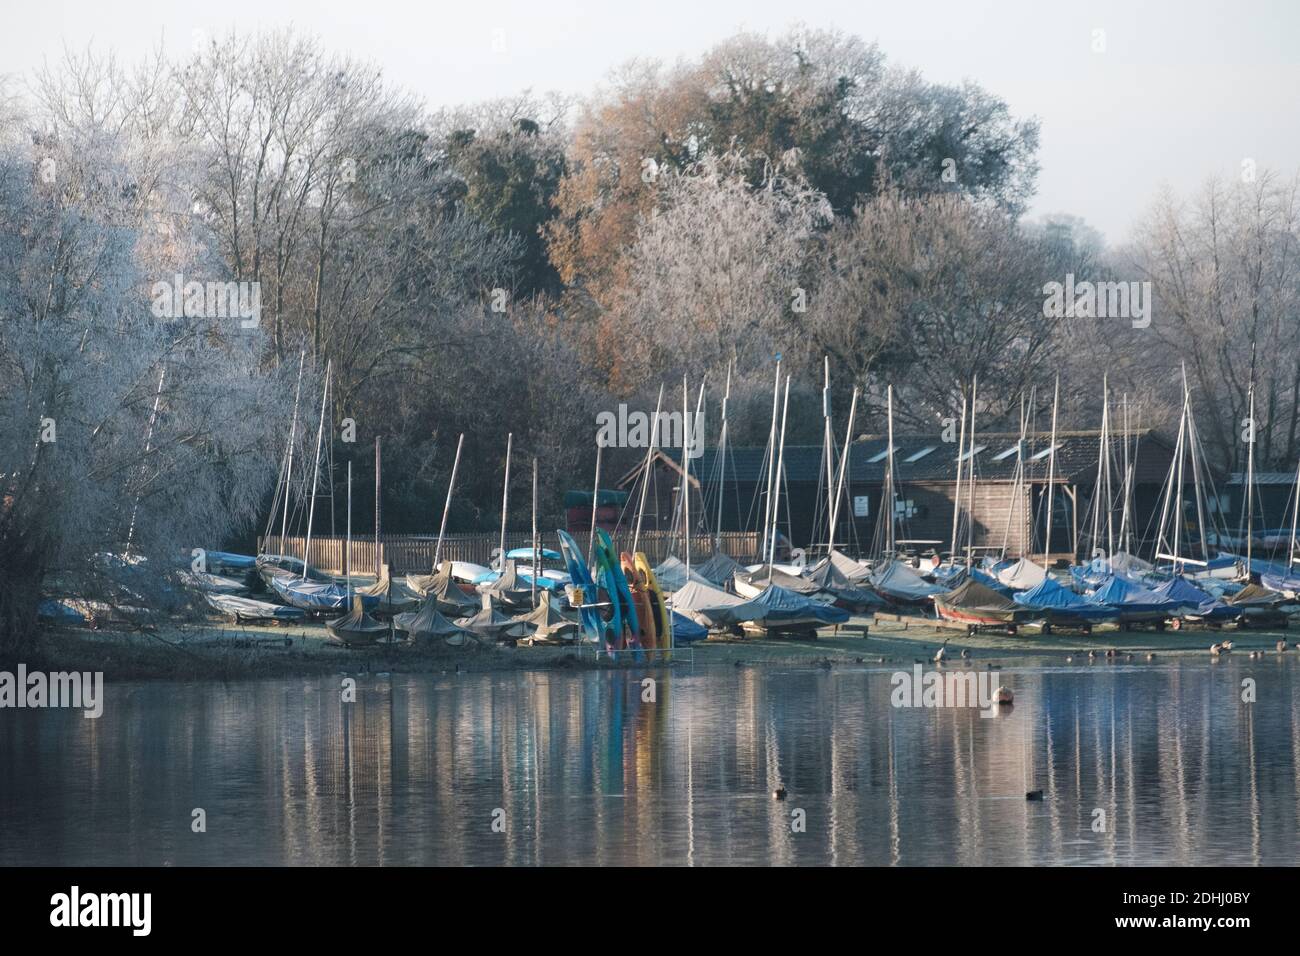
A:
x,y
578,769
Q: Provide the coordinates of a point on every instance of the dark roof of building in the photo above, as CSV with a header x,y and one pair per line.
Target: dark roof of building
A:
x,y
927,458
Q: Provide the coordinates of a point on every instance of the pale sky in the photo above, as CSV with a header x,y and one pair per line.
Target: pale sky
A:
x,y
1182,90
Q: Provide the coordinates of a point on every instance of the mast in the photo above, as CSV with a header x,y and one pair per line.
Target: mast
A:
x,y
1098,488
1185,435
686,466
780,466
722,459
347,557
1017,482
1295,518
1051,472
446,507
595,501
315,475
645,473
505,500
293,430
828,445
844,462
1250,483
956,499
1173,493
148,446
378,476
890,546
771,454
970,476
536,555
1125,489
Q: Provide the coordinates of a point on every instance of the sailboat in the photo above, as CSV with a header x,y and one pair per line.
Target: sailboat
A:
x,y
309,590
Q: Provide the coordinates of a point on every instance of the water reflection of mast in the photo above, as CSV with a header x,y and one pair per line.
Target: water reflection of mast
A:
x,y
1132,784
1255,835
348,784
1054,804
1114,777
895,843
690,792
777,820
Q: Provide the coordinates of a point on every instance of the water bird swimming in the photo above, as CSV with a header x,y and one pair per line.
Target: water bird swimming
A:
x,y
779,792
941,653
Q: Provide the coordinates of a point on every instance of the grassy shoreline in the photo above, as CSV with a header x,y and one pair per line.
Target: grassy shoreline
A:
x,y
220,653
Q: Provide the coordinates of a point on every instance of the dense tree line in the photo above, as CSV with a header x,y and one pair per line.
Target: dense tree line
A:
x,y
516,266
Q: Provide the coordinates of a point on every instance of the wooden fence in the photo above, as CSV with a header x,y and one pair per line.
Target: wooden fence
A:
x,y
413,553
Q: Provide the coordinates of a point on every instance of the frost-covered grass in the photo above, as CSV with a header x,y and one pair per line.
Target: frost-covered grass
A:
x,y
230,652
